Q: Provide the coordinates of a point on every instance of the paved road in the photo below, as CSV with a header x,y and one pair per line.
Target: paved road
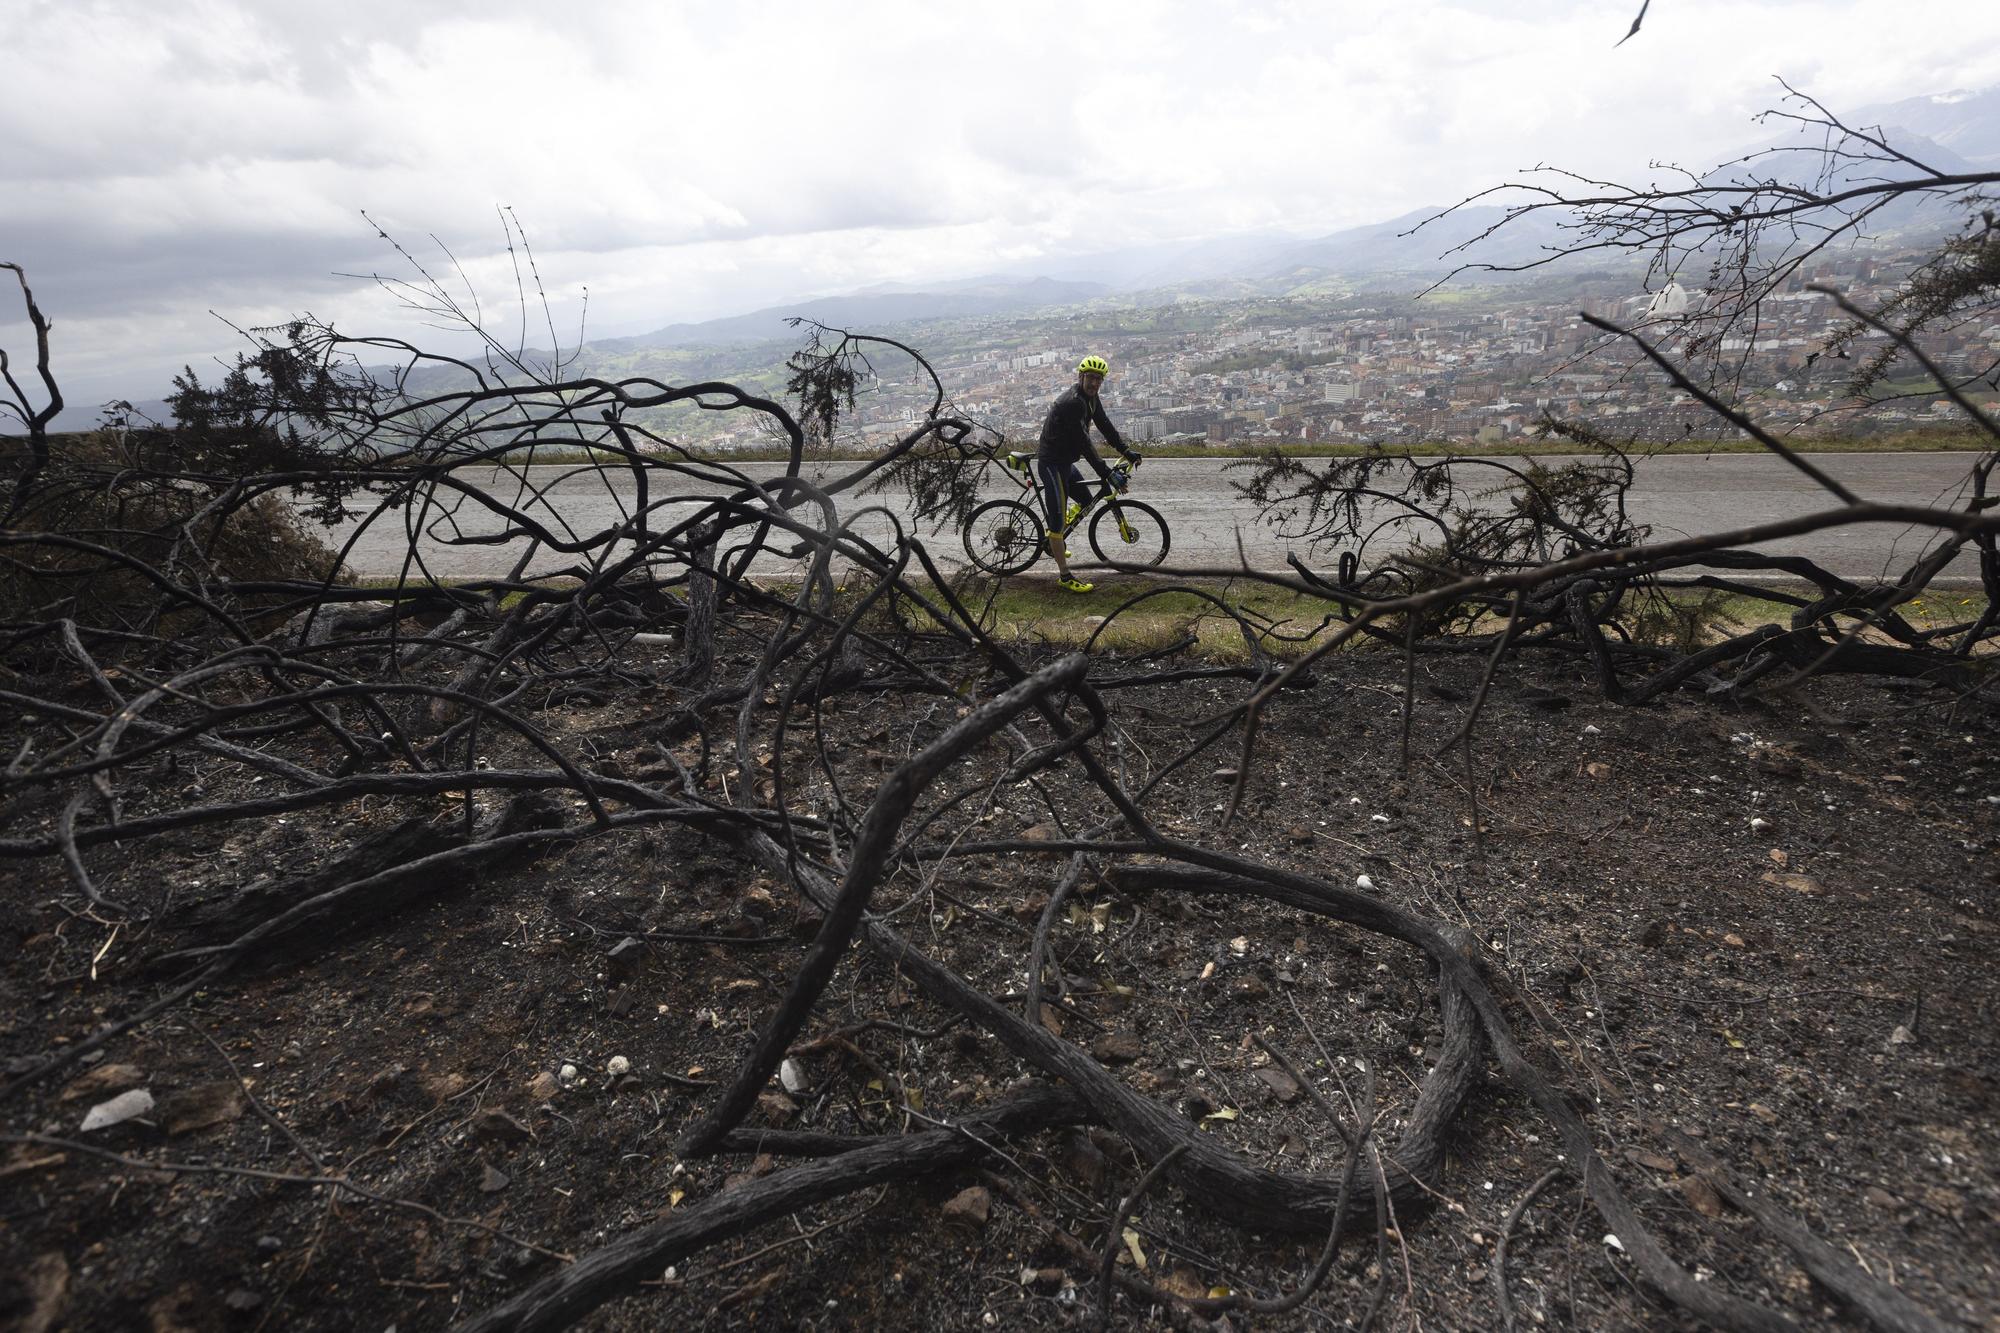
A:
x,y
1680,495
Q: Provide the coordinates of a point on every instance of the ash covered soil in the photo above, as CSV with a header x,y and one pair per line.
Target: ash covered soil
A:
x,y
1769,926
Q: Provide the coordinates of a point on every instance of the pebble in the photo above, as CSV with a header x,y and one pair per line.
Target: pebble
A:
x,y
969,1208
1116,1048
102,1080
202,1106
567,1073
617,1065
1282,1085
497,1124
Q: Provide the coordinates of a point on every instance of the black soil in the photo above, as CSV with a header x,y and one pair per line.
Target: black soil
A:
x,y
1771,926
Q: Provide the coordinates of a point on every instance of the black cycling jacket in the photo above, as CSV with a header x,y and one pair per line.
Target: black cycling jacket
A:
x,y
1066,430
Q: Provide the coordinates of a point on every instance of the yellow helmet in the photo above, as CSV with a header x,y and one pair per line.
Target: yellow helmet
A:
x,y
1093,365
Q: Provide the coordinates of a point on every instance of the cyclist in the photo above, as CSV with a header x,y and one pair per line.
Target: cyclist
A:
x,y
1065,440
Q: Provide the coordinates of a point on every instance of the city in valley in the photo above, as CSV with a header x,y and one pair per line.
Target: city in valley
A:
x,y
1468,364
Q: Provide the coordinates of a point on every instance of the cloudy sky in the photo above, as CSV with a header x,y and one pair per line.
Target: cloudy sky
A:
x,y
164,159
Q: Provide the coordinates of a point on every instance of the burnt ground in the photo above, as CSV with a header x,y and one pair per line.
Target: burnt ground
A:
x,y
1812,996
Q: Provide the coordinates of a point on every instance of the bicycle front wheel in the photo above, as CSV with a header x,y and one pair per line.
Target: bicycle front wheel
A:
x,y
1129,532
1003,537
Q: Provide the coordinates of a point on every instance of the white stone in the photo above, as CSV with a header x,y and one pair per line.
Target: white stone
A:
x,y
125,1106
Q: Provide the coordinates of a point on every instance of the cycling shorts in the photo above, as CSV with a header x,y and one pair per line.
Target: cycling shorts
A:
x,y
1060,483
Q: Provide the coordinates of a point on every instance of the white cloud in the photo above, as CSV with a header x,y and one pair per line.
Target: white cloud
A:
x,y
698,159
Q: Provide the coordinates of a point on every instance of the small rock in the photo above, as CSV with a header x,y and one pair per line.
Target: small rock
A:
x,y
1282,1085
1249,988
617,1065
385,1081
1116,1048
492,1179
622,1002
1652,934
1902,1036
567,1073
624,957
1084,1160
444,1087
543,1087
1758,824
1797,883
1043,1281
1365,884
1041,833
1733,940
1881,1198
203,1106
1701,1196
1548,700
102,1082
776,1108
1299,833
1777,765
792,1077
125,1106
500,1127
1763,1113
1598,770
242,1300
1225,774
270,1244
969,1209
1652,1161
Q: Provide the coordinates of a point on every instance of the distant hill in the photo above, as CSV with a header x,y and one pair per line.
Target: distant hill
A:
x,y
875,308
1399,247
1913,215
1965,124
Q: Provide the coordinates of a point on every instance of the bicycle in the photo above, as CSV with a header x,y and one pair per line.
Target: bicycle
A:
x,y
1007,536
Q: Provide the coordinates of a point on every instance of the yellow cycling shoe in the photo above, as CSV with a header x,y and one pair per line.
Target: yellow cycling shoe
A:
x,y
1075,584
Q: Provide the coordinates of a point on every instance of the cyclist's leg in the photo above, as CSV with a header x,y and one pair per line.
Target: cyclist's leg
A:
x,y
1079,490
1054,502
1054,496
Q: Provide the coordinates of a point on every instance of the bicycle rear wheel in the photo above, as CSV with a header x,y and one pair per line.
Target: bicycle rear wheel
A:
x,y
1003,537
1129,532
